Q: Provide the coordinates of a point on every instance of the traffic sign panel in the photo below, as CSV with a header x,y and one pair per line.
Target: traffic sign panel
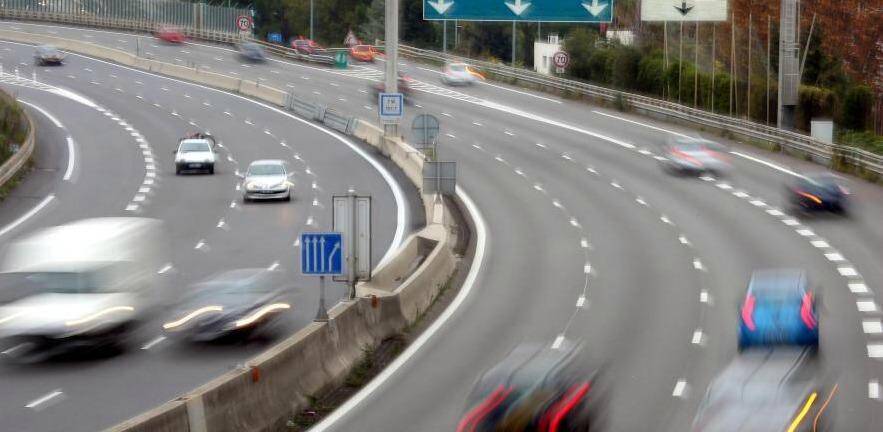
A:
x,y
243,22
391,106
321,253
519,10
684,10
561,59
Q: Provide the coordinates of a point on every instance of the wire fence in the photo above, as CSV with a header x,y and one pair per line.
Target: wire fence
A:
x,y
141,14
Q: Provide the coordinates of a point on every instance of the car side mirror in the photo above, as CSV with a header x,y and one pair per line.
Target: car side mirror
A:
x,y
174,151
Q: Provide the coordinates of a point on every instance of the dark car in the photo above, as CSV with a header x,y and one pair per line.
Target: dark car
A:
x,y
819,191
404,85
768,391
535,388
233,304
48,55
306,46
252,52
779,309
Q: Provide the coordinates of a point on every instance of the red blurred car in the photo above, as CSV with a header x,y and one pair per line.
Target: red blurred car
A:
x,y
170,35
362,53
306,46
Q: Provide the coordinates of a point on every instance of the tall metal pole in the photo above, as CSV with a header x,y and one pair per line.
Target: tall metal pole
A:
x,y
665,91
312,7
444,36
748,92
513,43
321,312
680,60
733,63
392,57
713,62
769,37
696,68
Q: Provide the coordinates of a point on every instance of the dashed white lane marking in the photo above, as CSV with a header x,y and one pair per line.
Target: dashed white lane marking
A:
x,y
616,185
199,245
165,269
27,215
310,220
584,243
758,203
538,187
683,240
740,194
703,296
806,232
41,402
221,223
641,201
858,288
153,343
541,145
581,301
557,204
508,132
866,306
665,219
574,222
875,350
724,186
707,178
847,271
697,264
834,257
872,326
227,113
697,337
558,341
587,269
447,114
477,124
791,222
367,107
132,207
680,388
775,212
450,136
821,244
874,389
273,266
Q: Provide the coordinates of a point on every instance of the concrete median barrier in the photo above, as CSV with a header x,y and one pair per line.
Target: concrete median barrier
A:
x,y
269,388
20,158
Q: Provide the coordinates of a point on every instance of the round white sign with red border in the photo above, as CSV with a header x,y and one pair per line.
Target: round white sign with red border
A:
x,y
561,59
243,22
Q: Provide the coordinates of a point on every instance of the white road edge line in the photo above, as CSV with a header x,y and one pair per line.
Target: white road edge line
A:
x,y
27,215
402,359
766,163
153,343
71,147
36,403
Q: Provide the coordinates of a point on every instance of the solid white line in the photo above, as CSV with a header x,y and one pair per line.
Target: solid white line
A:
x,y
468,284
521,92
153,343
44,112
641,124
71,158
27,215
35,404
766,163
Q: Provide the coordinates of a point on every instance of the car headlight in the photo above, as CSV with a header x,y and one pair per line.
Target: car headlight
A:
x,y
251,186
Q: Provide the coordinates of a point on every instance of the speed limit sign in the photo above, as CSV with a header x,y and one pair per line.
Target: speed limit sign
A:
x,y
561,59
243,22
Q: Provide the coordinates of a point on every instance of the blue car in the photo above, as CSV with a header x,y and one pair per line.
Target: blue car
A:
x,y
778,309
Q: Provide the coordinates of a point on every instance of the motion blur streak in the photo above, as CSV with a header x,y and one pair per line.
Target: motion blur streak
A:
x,y
815,199
99,314
473,418
561,413
192,315
261,312
10,317
806,407
815,422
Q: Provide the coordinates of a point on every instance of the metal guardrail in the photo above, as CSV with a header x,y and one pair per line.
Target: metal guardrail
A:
x,y
320,113
291,53
818,150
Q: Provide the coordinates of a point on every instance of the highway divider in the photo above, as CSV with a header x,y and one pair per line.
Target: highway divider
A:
x,y
20,158
270,388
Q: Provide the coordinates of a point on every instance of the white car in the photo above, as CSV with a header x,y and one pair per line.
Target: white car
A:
x,y
267,179
459,74
195,154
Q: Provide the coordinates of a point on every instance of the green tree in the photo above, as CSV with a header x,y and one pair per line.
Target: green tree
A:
x,y
579,44
373,27
857,106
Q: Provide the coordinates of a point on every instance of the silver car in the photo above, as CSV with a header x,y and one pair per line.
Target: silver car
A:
x,y
459,74
696,156
46,55
267,179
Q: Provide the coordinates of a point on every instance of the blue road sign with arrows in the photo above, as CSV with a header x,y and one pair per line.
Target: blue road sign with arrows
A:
x,y
321,253
519,10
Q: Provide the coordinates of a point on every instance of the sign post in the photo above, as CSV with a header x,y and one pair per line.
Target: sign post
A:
x,y
392,107
425,129
321,253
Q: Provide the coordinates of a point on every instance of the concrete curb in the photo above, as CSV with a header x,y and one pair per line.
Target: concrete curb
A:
x,y
18,160
269,388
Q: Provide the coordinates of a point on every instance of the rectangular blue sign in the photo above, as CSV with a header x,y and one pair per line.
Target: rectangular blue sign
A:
x,y
321,253
519,10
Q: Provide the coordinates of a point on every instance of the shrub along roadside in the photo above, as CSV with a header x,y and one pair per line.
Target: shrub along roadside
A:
x,y
13,129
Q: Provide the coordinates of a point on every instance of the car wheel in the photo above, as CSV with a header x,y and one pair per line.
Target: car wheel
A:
x,y
177,170
211,169
287,197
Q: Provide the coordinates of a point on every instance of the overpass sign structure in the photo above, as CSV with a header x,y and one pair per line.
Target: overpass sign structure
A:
x,y
519,10
684,10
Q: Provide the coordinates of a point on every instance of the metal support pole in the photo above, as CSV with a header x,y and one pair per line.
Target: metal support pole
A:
x,y
713,61
696,68
665,91
539,30
444,36
680,60
732,63
321,312
355,261
456,34
392,57
769,37
513,43
748,91
312,7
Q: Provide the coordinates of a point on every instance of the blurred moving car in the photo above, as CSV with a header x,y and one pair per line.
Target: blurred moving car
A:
x,y
459,74
235,303
535,388
767,391
362,53
779,309
404,85
46,55
306,46
252,51
172,35
196,152
693,156
819,191
267,179
86,284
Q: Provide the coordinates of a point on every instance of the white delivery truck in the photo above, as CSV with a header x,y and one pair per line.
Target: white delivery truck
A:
x,y
85,284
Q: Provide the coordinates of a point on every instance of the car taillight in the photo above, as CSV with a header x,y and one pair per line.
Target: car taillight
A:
x,y
806,312
748,312
551,421
686,157
473,418
808,195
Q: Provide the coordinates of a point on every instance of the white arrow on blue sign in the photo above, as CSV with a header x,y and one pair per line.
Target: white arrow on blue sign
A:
x,y
519,10
321,253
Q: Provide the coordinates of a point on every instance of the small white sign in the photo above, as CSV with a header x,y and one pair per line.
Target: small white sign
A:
x,y
684,10
392,107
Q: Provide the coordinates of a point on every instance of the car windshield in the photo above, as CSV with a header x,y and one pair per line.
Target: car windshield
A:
x,y
362,48
776,290
265,169
47,50
63,282
457,68
193,146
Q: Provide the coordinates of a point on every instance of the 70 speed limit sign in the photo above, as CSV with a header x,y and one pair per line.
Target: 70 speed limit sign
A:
x,y
243,22
561,59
